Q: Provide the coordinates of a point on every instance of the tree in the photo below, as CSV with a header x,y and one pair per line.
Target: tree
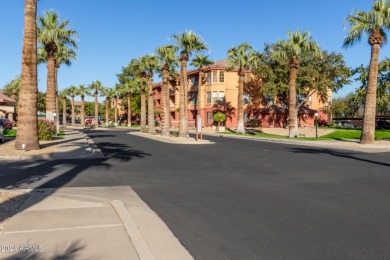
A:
x,y
127,88
168,62
200,61
72,92
375,23
188,43
11,88
149,64
298,45
82,91
219,117
63,94
108,93
242,58
52,34
94,88
27,134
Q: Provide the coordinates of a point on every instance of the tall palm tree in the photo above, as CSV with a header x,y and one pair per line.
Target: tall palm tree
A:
x,y
298,45
95,87
168,60
63,94
27,134
128,89
200,61
149,63
72,92
188,43
243,58
375,23
82,91
109,94
52,33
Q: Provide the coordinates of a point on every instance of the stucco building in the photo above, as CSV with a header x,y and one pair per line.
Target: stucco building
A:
x,y
219,92
7,106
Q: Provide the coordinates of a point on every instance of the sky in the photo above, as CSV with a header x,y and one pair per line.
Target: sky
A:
x,y
111,33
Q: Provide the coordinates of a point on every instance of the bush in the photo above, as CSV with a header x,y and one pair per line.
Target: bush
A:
x,y
46,129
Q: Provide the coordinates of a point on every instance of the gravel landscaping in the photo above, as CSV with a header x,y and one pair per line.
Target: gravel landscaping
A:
x,y
10,203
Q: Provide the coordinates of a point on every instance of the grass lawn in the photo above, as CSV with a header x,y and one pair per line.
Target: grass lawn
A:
x,y
339,134
10,132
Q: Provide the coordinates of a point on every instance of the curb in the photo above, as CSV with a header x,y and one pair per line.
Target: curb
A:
x,y
27,157
135,236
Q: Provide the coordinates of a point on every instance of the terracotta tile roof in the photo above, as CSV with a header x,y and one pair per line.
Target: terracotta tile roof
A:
x,y
6,99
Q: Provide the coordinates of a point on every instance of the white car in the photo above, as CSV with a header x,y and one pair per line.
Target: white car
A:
x,y
1,135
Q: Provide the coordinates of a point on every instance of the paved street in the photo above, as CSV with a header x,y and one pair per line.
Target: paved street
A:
x,y
239,199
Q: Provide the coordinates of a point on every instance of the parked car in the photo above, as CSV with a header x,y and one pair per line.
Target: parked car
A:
x,y
344,124
1,135
5,123
383,125
89,119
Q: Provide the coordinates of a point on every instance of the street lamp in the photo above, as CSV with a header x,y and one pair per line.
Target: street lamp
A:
x,y
316,118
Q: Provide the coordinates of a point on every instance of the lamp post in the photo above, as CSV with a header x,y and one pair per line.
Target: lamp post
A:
x,y
316,118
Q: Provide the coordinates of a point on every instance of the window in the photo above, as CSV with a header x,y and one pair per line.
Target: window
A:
x,y
194,80
208,79
208,97
268,100
221,76
221,96
215,76
194,100
209,118
215,96
246,98
310,101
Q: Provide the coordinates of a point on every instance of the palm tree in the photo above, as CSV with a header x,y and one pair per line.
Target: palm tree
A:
x,y
63,94
27,134
51,35
373,23
149,64
82,91
72,92
108,93
242,58
188,43
95,87
199,62
298,45
128,89
168,61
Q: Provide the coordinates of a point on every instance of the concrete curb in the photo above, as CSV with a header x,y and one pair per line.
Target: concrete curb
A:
x,y
135,236
171,140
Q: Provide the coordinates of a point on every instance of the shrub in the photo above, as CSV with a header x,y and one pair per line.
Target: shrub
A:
x,y
46,129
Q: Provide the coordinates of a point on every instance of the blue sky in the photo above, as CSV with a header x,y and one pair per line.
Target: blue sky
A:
x,y
113,32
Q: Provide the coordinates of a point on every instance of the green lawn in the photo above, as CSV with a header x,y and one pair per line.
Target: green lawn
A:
x,y
339,134
10,133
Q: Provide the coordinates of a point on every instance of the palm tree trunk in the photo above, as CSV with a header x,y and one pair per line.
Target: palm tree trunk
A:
x,y
240,104
368,131
73,115
107,112
151,121
183,128
51,87
57,105
292,103
200,103
82,112
143,111
129,110
64,112
116,111
96,119
165,108
27,134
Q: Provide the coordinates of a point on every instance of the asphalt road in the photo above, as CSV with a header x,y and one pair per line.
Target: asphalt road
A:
x,y
240,199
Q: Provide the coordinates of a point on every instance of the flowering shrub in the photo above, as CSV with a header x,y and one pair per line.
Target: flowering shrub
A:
x,y
46,129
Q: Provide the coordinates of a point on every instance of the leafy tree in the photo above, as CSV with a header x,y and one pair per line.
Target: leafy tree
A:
x,y
27,134
375,23
242,58
219,117
54,35
188,43
11,88
168,62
